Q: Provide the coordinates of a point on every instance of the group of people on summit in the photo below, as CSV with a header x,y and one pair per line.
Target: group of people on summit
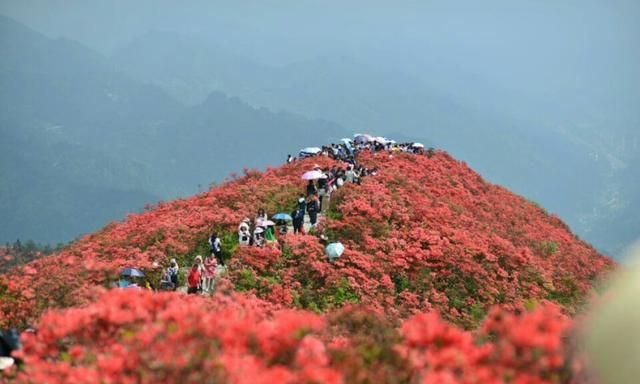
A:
x,y
263,231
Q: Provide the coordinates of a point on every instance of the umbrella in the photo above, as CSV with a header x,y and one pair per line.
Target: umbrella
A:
x,y
131,272
417,145
312,150
362,138
282,216
267,223
6,362
312,175
334,250
380,140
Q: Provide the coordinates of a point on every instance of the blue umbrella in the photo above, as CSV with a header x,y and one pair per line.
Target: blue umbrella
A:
x,y
347,143
131,272
282,216
334,250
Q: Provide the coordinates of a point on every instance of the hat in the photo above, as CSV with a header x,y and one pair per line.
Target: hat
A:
x,y
246,220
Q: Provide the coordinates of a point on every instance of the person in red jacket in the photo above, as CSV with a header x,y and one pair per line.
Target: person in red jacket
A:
x,y
194,280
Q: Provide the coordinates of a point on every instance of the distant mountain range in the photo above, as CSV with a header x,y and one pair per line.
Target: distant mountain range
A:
x,y
521,142
82,144
86,138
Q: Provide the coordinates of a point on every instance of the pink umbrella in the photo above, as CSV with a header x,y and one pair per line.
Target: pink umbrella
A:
x,y
312,175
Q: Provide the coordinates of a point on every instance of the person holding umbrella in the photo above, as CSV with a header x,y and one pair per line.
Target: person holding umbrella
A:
x,y
128,277
334,251
311,188
281,222
282,227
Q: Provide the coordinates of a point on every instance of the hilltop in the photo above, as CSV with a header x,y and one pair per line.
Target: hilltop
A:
x,y
426,234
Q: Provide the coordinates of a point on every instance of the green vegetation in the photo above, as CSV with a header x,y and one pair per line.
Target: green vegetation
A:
x,y
321,299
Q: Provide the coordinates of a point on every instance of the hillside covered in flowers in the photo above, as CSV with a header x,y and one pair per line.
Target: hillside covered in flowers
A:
x,y
444,278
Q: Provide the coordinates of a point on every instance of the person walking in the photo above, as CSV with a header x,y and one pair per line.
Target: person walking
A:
x,y
209,274
216,247
298,220
323,184
312,210
311,188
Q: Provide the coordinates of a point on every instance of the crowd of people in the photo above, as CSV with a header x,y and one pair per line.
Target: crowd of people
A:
x,y
322,182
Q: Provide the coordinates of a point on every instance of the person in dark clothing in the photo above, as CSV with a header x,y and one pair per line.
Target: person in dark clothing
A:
x,y
312,209
216,247
302,203
298,220
323,184
282,227
311,188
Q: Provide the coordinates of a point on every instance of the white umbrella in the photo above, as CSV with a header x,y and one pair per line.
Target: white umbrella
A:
x,y
267,223
417,145
380,140
312,175
362,138
334,250
6,362
312,150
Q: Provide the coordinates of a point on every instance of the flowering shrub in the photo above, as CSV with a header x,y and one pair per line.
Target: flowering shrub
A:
x,y
429,233
431,249
529,348
178,229
141,337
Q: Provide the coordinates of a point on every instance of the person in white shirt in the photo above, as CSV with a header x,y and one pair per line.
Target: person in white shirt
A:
x,y
261,218
244,232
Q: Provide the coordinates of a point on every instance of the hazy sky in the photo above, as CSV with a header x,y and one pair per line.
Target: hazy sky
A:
x,y
561,66
546,47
